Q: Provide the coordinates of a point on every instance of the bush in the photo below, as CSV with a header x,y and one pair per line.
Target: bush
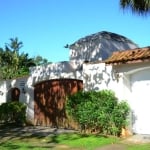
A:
x,y
98,111
13,112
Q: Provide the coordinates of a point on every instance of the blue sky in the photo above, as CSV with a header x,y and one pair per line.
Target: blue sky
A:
x,y
46,26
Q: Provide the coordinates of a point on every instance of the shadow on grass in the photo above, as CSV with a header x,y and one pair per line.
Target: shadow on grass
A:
x,y
13,137
19,137
15,145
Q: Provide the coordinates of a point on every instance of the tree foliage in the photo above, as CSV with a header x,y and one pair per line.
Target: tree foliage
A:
x,y
13,112
38,60
141,7
15,64
98,111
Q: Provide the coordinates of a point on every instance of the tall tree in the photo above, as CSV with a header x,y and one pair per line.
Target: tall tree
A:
x,y
13,64
39,60
14,46
141,7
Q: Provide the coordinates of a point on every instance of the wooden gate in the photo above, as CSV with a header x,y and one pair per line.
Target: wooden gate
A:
x,y
49,101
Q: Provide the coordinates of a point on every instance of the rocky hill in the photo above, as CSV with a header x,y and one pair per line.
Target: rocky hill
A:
x,y
99,46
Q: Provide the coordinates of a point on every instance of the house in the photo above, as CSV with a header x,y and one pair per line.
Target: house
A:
x,y
133,68
127,73
94,65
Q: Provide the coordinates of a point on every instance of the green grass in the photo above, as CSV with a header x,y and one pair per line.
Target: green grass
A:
x,y
88,142
10,145
70,140
22,145
66,141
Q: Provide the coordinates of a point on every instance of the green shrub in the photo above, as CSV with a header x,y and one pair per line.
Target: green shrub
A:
x,y
98,111
13,112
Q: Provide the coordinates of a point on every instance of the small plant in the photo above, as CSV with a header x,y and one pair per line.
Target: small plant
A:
x,y
98,111
13,112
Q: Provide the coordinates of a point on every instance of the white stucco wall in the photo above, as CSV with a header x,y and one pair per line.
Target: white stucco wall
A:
x,y
101,76
71,69
139,102
3,91
6,86
26,93
136,83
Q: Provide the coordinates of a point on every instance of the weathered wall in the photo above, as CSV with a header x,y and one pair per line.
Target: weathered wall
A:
x,y
71,69
100,76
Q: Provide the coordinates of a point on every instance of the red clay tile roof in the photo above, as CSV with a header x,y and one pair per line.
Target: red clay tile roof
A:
x,y
129,56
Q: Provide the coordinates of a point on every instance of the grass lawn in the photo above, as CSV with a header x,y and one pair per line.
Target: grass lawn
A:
x,y
82,141
58,141
66,141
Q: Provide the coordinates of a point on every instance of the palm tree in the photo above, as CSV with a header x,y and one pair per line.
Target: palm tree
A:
x,y
13,64
141,7
14,46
